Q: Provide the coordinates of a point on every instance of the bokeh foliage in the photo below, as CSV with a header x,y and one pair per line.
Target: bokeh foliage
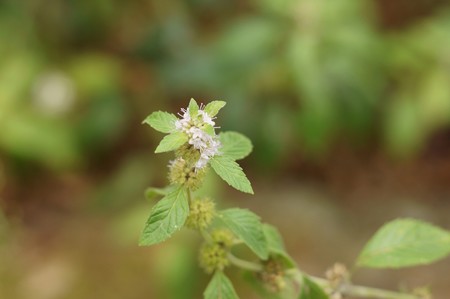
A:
x,y
297,74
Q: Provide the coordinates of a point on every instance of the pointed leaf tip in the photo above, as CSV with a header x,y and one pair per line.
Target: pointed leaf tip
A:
x,y
166,217
231,173
193,108
220,287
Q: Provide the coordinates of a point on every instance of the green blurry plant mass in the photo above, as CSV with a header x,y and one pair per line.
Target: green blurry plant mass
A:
x,y
316,72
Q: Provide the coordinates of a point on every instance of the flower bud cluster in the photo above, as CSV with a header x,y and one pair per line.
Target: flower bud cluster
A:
x,y
223,237
181,172
273,275
200,130
213,256
201,214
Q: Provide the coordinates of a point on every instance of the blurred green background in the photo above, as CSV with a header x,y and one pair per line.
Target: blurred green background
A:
x,y
347,103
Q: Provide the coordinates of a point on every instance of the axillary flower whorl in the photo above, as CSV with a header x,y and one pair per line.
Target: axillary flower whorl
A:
x,y
198,125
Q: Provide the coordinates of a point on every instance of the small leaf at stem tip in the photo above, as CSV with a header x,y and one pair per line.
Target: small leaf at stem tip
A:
x,y
214,107
193,108
172,142
403,243
161,121
220,287
248,227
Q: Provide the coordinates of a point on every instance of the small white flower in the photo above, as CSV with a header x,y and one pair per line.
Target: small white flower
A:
x,y
201,163
186,114
183,123
207,145
206,118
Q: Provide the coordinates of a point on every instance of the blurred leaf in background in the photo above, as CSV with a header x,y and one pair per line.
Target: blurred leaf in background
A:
x,y
420,102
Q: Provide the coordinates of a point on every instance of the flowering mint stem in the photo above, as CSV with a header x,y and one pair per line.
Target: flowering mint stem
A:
x,y
244,264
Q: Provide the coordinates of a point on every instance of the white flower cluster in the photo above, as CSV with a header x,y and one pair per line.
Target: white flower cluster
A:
x,y
208,145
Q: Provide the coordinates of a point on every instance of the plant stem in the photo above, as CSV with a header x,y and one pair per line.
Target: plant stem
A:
x,y
353,290
366,292
205,234
189,196
244,264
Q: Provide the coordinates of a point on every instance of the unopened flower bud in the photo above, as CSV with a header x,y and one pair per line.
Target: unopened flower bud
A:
x,y
337,275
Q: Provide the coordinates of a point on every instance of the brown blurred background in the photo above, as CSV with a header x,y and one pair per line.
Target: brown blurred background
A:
x,y
347,103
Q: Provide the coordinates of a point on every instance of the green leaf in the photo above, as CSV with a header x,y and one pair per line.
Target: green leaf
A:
x,y
153,192
310,290
247,226
235,145
276,246
161,121
166,217
172,142
231,173
405,242
214,107
220,287
193,108
274,240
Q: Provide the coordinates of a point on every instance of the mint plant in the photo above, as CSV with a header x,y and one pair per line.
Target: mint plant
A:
x,y
198,149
